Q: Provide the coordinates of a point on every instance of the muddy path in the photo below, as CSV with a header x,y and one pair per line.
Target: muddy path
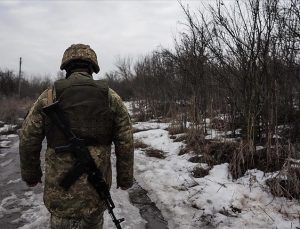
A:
x,y
148,210
12,189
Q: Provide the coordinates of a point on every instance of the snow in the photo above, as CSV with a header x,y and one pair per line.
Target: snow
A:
x,y
37,215
124,209
6,128
213,201
7,205
129,107
3,154
150,125
12,136
6,163
4,144
14,181
259,148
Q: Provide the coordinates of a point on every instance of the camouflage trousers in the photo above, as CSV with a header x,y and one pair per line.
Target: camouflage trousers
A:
x,y
89,222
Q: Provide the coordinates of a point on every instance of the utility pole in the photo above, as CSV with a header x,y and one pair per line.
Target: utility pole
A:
x,y
20,71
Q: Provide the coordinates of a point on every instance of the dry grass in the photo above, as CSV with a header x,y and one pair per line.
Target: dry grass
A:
x,y
287,182
217,123
199,172
183,150
212,152
150,152
246,157
195,139
196,159
12,108
289,188
139,144
173,137
176,128
181,138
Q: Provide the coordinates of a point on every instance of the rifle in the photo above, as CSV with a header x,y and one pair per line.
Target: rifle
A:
x,y
84,163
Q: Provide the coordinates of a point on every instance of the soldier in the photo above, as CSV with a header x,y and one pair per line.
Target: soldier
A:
x,y
95,113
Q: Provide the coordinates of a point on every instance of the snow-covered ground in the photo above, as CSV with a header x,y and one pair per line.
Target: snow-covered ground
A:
x,y
214,201
37,216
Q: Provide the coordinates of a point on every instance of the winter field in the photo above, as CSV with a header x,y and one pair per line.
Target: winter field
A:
x,y
185,202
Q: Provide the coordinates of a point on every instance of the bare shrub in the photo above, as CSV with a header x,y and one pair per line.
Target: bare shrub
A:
x,y
176,128
207,151
13,108
195,139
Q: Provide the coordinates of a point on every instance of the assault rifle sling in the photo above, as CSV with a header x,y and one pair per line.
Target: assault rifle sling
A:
x,y
84,163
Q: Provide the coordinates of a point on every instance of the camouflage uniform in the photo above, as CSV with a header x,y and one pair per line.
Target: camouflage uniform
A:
x,y
81,203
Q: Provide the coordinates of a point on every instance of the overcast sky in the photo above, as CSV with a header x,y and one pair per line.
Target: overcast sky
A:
x,y
40,31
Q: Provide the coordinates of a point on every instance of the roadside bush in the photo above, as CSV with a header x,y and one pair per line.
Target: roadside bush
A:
x,y
13,108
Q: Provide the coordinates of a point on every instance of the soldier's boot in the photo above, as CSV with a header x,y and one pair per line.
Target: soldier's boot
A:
x,y
89,222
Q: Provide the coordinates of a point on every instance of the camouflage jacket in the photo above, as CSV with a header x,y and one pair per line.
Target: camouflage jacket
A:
x,y
81,199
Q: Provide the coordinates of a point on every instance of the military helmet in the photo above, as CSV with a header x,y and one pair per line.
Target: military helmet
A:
x,y
80,52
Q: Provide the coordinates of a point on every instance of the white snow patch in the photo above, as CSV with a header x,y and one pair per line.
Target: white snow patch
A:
x,y
259,148
128,105
7,127
3,137
14,181
3,154
5,144
6,163
159,139
12,136
150,125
